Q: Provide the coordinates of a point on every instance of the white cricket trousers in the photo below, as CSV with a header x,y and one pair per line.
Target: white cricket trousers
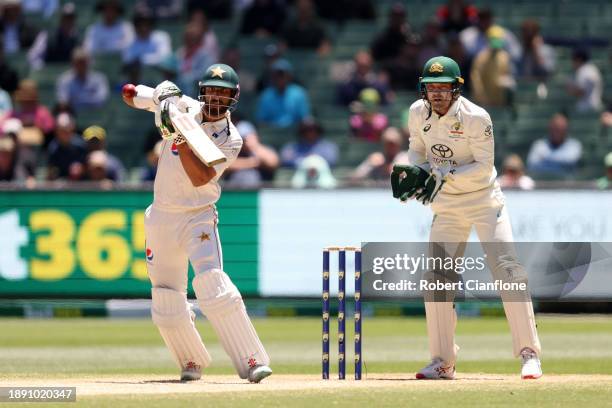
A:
x,y
175,237
454,217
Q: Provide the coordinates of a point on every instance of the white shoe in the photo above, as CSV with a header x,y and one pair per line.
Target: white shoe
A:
x,y
436,370
531,368
258,373
191,372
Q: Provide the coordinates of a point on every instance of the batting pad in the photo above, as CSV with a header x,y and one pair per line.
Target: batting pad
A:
x,y
222,304
441,324
173,317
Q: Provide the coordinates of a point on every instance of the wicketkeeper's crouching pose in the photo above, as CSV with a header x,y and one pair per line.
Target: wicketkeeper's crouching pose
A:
x,y
181,226
451,166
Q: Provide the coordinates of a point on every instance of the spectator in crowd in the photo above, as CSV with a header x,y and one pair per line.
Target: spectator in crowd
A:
x,y
67,151
150,169
192,59
256,163
388,43
12,167
305,30
586,85
606,117
491,76
313,172
96,169
368,123
558,155
231,56
215,9
605,182
404,70
161,9
80,88
210,44
151,46
476,38
168,68
310,142
31,112
513,174
8,160
110,34
537,58
456,51
26,155
362,76
8,76
378,165
263,18
432,42
44,8
95,140
456,15
6,105
283,103
150,140
56,45
17,34
271,53
342,10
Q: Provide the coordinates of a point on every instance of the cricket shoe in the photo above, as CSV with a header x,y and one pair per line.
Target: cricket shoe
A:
x,y
531,368
436,370
191,372
258,373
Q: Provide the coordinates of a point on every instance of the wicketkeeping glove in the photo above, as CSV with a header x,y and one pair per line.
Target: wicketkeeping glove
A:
x,y
432,187
407,180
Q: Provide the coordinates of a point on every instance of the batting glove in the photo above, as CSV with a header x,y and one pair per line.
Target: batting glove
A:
x,y
164,91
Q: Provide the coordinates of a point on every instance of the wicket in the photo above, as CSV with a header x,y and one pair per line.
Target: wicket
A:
x,y
341,311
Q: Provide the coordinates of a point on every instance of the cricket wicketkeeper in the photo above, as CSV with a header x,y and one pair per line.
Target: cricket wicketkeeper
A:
x,y
181,225
451,167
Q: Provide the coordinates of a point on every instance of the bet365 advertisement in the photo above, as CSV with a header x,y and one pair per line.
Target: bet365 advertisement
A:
x,y
78,243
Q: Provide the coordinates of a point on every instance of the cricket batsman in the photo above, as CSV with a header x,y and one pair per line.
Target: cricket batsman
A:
x,y
451,167
181,226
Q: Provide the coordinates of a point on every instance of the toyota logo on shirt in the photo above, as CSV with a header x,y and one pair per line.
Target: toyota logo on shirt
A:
x,y
441,150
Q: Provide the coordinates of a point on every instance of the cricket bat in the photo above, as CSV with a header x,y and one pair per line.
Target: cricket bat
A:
x,y
203,147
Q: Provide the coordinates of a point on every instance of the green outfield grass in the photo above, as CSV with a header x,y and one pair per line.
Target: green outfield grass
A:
x,y
90,348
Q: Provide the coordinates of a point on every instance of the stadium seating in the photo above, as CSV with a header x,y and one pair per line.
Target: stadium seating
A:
x,y
515,128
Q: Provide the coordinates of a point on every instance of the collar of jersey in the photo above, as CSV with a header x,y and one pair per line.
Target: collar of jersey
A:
x,y
221,123
219,127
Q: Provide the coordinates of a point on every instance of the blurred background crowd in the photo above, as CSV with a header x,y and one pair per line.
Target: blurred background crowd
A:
x,y
325,85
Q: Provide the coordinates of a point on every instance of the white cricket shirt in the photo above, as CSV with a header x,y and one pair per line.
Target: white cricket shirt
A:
x,y
173,189
461,140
